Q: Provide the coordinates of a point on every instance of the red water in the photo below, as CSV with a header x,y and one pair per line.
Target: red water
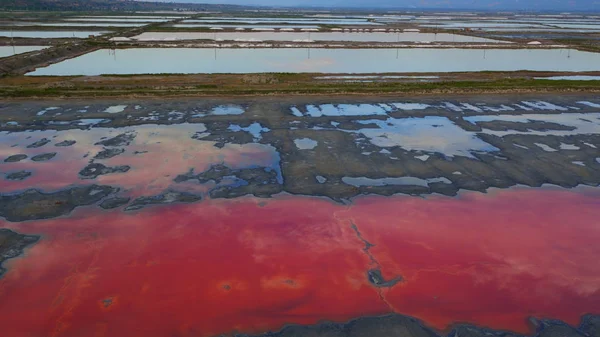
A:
x,y
253,265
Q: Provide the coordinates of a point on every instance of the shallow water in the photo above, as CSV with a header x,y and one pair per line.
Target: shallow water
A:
x,y
429,134
305,143
118,19
10,51
296,60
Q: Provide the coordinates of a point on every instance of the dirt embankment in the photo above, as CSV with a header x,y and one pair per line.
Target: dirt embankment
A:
x,y
23,63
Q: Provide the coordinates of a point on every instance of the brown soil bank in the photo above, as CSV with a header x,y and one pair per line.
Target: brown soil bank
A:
x,y
281,84
23,63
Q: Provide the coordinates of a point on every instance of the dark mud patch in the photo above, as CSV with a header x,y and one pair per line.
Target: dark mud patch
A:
x,y
591,325
389,325
15,158
21,175
123,139
109,153
168,197
405,326
92,171
12,245
115,202
33,204
555,328
44,156
39,143
258,181
376,279
65,143
525,127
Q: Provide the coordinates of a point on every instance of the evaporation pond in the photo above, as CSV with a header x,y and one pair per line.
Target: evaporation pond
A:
x,y
295,60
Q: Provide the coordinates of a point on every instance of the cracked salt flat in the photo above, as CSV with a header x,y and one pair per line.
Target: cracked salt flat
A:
x,y
42,112
468,106
364,181
452,107
340,110
81,122
525,105
175,115
384,108
519,106
305,143
541,105
590,104
583,123
496,109
356,109
115,109
429,134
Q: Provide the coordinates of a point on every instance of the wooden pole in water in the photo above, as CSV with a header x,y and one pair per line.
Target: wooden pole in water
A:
x,y
12,41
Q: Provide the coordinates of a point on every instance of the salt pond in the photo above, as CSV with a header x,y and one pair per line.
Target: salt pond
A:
x,y
108,19
570,78
50,34
83,24
243,26
10,50
479,25
307,21
296,60
313,36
